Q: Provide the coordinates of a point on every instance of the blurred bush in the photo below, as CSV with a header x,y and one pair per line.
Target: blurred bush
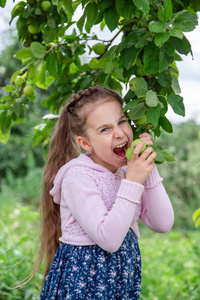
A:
x,y
181,178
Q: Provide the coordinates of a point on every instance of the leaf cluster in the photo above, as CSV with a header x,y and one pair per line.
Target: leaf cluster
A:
x,y
57,57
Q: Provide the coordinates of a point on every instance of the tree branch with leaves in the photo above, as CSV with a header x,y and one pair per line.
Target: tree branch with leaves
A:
x,y
57,56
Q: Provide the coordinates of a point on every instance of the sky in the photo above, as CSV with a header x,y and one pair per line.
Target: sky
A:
x,y
189,68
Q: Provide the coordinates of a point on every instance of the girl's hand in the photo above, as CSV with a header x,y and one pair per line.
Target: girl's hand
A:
x,y
146,137
139,167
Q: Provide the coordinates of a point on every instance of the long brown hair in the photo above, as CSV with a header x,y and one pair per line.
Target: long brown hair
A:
x,y
63,147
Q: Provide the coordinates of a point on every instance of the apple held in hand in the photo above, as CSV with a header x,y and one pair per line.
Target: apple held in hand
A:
x,y
129,151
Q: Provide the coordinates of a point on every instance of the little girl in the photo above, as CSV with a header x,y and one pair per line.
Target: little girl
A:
x,y
91,202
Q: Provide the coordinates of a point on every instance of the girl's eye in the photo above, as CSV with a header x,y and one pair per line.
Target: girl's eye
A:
x,y
104,130
122,121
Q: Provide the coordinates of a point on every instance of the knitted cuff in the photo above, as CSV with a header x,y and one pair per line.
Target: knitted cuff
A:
x,y
131,191
153,179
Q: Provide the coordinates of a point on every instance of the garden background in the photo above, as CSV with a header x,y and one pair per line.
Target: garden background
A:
x,y
170,262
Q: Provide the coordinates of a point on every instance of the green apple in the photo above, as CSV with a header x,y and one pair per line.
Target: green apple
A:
x,y
33,29
150,126
132,84
28,91
136,142
138,62
129,151
99,48
141,120
45,5
140,71
19,81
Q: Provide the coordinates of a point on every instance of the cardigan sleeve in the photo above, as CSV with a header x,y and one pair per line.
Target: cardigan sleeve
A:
x,y
106,228
157,212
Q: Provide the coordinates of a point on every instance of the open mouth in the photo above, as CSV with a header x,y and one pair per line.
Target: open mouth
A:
x,y
120,150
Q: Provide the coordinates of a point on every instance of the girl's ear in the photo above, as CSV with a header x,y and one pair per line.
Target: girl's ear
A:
x,y
84,143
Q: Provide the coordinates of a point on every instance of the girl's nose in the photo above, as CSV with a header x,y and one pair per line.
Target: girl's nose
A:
x,y
118,132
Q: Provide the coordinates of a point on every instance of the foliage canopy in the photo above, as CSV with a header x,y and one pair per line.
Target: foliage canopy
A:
x,y
63,56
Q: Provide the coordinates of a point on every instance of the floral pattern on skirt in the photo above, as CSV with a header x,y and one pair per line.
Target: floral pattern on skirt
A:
x,y
89,272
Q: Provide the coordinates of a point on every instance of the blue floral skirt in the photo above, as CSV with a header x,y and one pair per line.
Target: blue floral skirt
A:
x,y
89,272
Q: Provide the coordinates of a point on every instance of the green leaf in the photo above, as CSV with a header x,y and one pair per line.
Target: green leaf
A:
x,y
182,45
151,98
43,131
186,22
41,73
131,39
176,32
80,23
24,54
51,22
165,11
130,105
150,58
156,26
197,223
14,75
165,80
2,3
98,63
110,66
196,214
18,9
141,87
166,125
49,34
18,110
111,18
175,85
129,95
91,11
9,88
125,8
68,7
143,5
129,56
168,155
118,73
52,64
169,48
176,103
164,60
32,73
153,115
4,137
137,111
161,38
38,50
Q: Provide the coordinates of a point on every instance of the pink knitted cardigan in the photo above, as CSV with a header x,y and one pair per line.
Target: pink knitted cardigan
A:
x,y
99,207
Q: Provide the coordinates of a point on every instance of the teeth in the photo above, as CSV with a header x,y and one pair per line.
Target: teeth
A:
x,y
122,145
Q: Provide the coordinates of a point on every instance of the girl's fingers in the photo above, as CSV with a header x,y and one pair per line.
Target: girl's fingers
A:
x,y
146,137
150,158
137,150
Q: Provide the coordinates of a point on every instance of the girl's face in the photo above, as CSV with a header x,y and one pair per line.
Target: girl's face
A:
x,y
108,135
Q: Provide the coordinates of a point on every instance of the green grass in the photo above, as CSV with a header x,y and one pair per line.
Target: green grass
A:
x,y
170,265
170,262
